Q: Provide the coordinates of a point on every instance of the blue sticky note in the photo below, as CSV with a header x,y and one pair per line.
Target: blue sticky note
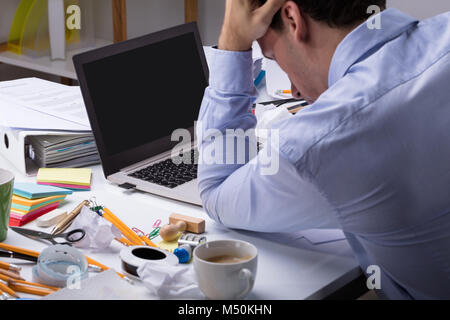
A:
x,y
34,190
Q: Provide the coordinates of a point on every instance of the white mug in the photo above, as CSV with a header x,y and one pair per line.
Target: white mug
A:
x,y
225,280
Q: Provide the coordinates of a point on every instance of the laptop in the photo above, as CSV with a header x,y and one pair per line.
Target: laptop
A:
x,y
137,92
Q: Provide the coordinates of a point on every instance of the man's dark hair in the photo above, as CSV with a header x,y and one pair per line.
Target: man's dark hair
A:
x,y
336,13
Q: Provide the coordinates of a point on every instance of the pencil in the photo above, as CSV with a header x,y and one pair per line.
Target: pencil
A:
x,y
27,252
283,92
11,280
8,290
32,253
148,241
125,241
127,232
9,266
11,274
30,290
296,109
4,295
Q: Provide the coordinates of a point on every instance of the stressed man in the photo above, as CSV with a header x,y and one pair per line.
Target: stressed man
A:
x,y
370,155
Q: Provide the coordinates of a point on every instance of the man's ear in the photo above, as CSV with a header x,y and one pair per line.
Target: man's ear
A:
x,y
294,20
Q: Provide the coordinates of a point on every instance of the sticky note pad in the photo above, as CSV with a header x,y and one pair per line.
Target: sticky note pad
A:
x,y
25,205
35,191
65,176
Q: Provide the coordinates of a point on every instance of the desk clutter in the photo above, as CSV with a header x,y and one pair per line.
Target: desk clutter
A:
x,y
90,225
76,179
30,201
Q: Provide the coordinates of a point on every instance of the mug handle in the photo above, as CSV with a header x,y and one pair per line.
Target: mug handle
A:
x,y
247,276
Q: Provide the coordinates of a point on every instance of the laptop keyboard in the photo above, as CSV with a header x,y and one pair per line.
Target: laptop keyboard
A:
x,y
169,174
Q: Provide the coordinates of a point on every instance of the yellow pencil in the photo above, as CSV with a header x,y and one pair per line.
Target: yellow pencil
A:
x,y
283,91
127,232
11,280
11,274
32,253
9,266
30,290
125,241
148,241
8,290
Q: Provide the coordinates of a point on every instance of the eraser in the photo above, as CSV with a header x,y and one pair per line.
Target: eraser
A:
x,y
51,218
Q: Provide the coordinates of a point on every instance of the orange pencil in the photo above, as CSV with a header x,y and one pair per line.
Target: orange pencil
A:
x,y
9,266
11,274
32,253
8,290
30,290
27,252
148,241
283,92
125,241
10,280
127,232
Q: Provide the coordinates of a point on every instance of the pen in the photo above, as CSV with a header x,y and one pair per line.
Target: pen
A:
x,y
64,224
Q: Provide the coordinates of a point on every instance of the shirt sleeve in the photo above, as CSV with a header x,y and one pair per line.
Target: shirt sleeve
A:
x,y
240,187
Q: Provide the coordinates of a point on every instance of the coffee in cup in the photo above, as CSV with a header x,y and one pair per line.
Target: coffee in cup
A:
x,y
225,269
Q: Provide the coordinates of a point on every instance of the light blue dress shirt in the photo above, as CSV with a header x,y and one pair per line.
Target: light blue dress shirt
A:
x,y
370,156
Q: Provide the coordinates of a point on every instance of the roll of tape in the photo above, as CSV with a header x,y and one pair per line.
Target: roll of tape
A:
x,y
135,256
59,266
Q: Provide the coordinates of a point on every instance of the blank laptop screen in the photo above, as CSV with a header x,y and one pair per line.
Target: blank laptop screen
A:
x,y
144,94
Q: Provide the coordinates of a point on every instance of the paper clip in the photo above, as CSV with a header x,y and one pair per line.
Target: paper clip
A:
x,y
154,233
139,232
157,223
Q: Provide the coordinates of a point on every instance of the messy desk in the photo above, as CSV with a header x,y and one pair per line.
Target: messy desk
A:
x,y
113,230
289,266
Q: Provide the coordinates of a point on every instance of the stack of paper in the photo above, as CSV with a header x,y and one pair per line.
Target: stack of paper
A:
x,y
30,201
58,151
47,106
76,179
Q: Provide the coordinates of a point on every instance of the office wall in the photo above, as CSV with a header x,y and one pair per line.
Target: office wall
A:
x,y
7,9
419,8
145,16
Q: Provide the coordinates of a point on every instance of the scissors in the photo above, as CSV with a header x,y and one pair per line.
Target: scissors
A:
x,y
70,237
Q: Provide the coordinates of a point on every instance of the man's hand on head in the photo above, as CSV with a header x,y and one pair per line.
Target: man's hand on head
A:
x,y
246,21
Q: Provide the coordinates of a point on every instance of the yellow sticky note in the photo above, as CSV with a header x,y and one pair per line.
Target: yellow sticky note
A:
x,y
169,245
70,176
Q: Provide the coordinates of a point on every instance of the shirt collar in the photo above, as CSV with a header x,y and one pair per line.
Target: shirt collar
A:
x,y
362,41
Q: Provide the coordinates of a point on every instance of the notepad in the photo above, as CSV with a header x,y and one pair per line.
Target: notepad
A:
x,y
36,191
72,178
25,205
17,219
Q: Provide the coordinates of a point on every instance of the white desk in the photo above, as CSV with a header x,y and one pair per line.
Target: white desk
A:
x,y
298,271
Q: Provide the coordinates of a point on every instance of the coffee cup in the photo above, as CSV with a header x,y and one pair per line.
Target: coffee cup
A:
x,y
6,191
225,269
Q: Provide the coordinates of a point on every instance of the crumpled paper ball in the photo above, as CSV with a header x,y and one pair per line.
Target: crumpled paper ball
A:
x,y
99,232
